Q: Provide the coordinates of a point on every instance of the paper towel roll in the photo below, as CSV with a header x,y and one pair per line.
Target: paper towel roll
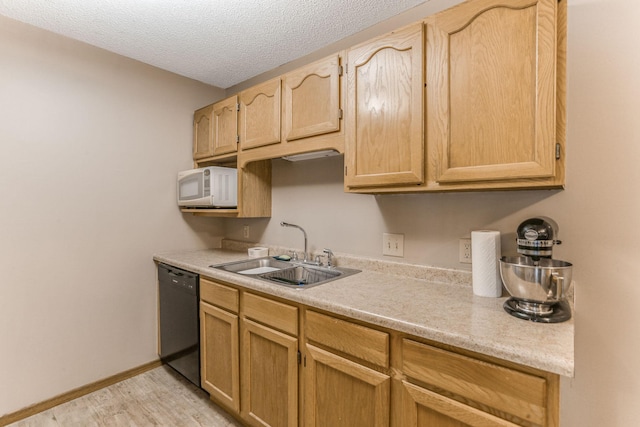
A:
x,y
258,252
485,268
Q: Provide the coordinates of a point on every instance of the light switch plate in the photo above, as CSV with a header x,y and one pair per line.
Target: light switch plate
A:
x,y
393,244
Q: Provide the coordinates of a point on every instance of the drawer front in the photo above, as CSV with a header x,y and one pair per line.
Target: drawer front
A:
x,y
508,390
358,341
280,316
219,295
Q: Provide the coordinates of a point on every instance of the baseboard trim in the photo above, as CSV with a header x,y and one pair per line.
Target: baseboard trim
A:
x,y
75,393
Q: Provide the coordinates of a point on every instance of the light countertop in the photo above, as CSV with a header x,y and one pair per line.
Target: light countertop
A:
x,y
431,303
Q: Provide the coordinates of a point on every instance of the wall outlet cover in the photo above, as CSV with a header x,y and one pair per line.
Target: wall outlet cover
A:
x,y
464,251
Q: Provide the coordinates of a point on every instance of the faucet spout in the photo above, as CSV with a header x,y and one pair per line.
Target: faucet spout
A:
x,y
286,224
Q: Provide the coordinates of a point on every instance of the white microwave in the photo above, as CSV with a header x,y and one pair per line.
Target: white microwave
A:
x,y
211,187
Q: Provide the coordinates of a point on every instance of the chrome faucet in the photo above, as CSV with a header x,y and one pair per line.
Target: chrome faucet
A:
x,y
329,257
304,255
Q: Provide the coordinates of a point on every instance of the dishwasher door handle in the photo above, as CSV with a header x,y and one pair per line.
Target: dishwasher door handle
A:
x,y
175,273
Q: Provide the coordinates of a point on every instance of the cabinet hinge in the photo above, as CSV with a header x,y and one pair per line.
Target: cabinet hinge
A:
x,y
237,139
557,151
340,113
238,106
299,357
340,70
346,68
345,171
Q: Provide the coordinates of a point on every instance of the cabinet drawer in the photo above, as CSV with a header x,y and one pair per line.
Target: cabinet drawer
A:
x,y
513,392
280,316
359,341
219,295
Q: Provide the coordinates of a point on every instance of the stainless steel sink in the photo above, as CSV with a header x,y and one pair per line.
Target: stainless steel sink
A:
x,y
287,273
254,266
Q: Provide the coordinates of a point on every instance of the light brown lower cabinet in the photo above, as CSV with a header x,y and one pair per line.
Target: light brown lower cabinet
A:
x,y
458,390
273,363
219,358
425,408
340,392
346,378
269,363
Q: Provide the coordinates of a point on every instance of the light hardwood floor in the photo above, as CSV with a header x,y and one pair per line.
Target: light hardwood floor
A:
x,y
159,397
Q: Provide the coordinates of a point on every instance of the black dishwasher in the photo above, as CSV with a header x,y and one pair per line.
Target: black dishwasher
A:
x,y
179,322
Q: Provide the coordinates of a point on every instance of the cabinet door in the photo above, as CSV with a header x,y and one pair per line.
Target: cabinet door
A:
x,y
424,408
203,133
384,144
312,100
491,83
505,392
269,376
225,126
260,115
219,355
339,392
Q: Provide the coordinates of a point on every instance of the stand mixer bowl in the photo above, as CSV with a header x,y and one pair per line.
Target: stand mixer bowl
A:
x,y
536,284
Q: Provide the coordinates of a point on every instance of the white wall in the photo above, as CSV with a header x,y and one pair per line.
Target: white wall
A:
x,y
598,212
311,194
90,144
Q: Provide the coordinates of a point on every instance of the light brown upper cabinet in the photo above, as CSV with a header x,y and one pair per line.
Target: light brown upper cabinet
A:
x,y
203,132
493,77
215,129
471,98
312,104
385,81
260,115
225,126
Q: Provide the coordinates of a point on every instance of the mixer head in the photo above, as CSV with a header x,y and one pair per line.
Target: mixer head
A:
x,y
536,237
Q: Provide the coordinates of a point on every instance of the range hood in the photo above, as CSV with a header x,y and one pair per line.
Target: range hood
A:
x,y
312,155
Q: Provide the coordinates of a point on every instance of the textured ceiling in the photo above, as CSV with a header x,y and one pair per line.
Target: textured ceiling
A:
x,y
220,42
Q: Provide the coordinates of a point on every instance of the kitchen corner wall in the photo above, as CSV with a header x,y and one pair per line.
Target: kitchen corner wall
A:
x,y
90,146
598,212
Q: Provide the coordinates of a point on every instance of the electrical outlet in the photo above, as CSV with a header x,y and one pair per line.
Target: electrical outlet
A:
x,y
393,244
245,231
465,251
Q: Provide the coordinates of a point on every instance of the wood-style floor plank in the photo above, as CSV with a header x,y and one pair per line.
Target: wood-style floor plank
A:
x,y
159,397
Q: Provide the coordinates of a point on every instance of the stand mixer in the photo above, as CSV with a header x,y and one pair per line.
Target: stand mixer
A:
x,y
537,283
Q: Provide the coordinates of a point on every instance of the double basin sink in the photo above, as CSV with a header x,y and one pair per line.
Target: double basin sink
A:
x,y
287,273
